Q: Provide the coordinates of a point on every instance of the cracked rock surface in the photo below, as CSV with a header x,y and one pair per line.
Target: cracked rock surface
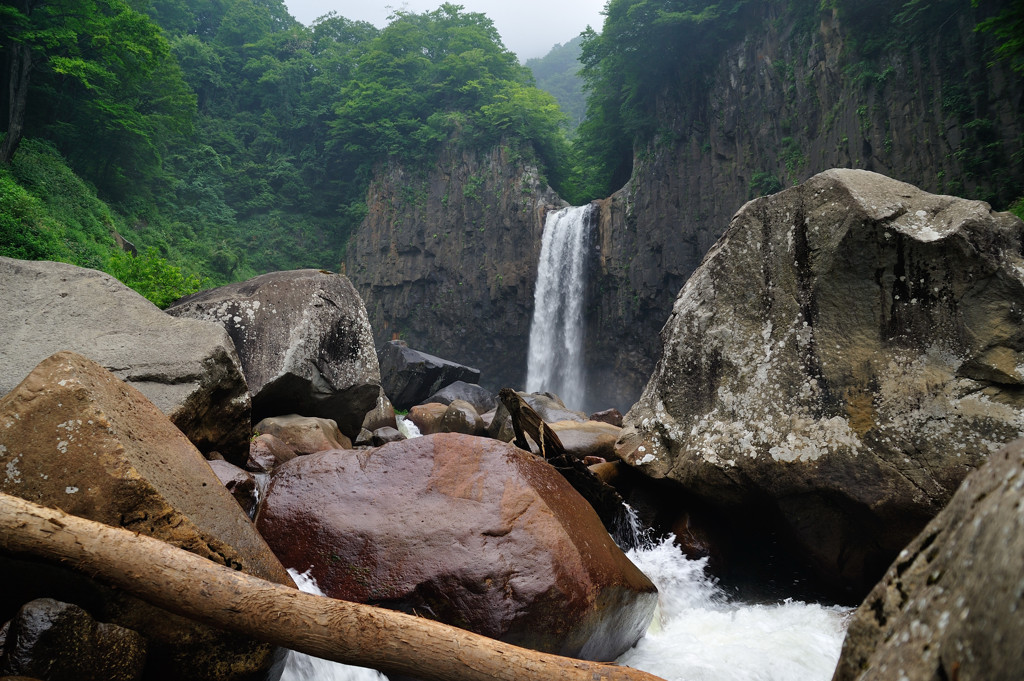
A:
x,y
304,341
845,355
952,605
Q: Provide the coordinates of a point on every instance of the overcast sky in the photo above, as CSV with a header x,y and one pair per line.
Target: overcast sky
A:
x,y
528,27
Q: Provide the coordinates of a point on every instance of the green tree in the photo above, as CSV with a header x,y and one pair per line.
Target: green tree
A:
x,y
88,73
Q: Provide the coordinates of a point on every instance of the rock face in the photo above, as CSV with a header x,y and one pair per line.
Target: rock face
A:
x,y
304,341
950,606
449,260
187,368
74,437
847,353
409,376
58,641
465,530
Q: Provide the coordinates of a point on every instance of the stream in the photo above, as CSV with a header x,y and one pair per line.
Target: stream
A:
x,y
698,633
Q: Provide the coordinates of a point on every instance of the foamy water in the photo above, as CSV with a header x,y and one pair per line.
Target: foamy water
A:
x,y
302,667
698,634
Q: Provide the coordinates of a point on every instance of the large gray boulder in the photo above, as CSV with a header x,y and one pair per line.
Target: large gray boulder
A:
x,y
409,376
186,367
950,606
304,342
845,355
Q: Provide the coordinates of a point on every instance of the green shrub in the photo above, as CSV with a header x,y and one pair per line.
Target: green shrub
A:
x,y
152,276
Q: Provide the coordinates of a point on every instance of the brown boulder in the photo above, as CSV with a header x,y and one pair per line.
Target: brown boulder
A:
x,y
465,530
304,434
461,417
587,438
240,483
427,417
266,452
611,416
74,437
381,416
952,605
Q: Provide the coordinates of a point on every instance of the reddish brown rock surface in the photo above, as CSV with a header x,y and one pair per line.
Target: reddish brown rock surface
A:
x,y
464,530
304,434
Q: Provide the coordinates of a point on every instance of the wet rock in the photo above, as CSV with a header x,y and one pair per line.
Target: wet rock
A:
x,y
550,408
267,452
461,417
482,399
427,417
409,376
304,434
382,436
587,438
463,530
381,416
610,416
187,368
57,641
304,342
74,437
240,483
950,606
844,356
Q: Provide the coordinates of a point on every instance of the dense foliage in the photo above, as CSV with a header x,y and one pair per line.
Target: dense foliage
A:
x,y
557,73
235,140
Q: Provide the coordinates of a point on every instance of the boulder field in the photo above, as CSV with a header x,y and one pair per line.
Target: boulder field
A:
x,y
845,355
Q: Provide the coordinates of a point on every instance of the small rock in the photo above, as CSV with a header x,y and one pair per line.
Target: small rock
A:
x,y
266,452
482,399
427,417
240,483
610,416
461,417
304,434
384,435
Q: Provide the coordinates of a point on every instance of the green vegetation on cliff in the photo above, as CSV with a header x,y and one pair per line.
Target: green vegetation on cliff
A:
x,y
234,140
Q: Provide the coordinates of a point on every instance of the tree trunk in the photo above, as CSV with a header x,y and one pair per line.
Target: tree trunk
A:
x,y
352,633
19,73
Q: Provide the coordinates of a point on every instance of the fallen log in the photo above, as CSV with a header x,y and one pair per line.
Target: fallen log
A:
x,y
351,633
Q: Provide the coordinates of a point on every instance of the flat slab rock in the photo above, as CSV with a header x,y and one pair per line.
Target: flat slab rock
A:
x,y
846,354
465,530
187,368
410,376
304,342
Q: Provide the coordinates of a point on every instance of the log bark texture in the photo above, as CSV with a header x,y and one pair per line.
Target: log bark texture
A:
x,y
351,633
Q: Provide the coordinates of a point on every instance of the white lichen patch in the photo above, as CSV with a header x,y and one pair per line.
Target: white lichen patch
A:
x,y
13,475
70,490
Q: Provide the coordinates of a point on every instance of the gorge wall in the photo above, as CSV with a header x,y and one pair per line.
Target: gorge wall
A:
x,y
447,259
792,99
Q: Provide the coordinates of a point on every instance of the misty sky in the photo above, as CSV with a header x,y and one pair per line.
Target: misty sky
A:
x,y
528,27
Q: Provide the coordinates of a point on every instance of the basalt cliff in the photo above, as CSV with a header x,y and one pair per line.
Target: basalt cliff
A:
x,y
447,259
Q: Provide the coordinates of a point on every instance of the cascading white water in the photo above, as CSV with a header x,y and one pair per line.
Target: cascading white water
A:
x,y
555,360
302,667
697,633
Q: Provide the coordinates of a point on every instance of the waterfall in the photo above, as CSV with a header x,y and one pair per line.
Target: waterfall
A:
x,y
555,361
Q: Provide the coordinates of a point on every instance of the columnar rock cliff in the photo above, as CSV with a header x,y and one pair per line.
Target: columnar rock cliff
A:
x,y
790,100
446,260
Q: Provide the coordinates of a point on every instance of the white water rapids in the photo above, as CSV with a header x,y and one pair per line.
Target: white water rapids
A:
x,y
555,360
698,634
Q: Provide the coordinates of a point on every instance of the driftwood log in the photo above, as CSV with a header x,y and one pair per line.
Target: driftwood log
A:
x,y
351,633
526,421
